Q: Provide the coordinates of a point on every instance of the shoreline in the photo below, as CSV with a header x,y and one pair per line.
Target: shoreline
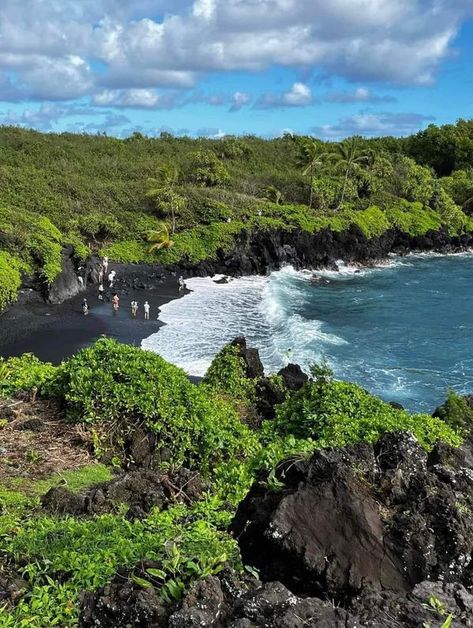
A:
x,y
55,332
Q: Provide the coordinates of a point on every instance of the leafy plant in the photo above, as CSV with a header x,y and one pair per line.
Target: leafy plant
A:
x,y
124,386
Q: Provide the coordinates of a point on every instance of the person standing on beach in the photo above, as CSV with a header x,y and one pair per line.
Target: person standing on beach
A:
x,y
181,283
115,302
101,291
85,307
134,309
146,309
105,264
111,278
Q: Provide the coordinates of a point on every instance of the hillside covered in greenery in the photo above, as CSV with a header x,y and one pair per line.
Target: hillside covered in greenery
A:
x,y
60,538
190,197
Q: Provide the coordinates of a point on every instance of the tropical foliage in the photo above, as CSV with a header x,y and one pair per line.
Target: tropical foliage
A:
x,y
114,389
107,193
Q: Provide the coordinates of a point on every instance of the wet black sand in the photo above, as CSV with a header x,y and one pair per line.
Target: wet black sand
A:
x,y
55,332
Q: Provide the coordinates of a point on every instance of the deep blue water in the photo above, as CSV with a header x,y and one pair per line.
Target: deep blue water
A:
x,y
404,331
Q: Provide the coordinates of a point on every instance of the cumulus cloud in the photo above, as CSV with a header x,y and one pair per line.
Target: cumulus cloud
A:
x,y
137,98
65,49
48,115
372,124
239,100
360,94
300,95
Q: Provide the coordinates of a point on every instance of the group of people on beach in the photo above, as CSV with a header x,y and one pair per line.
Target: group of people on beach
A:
x,y
115,300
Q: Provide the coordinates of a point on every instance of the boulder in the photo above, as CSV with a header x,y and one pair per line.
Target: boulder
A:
x,y
254,366
371,517
140,490
293,376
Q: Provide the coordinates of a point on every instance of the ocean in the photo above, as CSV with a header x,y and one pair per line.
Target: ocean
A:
x,y
403,330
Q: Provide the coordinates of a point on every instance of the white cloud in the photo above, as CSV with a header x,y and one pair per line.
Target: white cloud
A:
x,y
61,49
300,95
136,98
239,100
371,124
360,94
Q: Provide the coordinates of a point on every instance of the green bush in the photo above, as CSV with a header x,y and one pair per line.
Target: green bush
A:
x,y
371,221
456,411
412,218
23,374
10,278
227,375
124,385
206,169
128,252
85,554
34,239
335,414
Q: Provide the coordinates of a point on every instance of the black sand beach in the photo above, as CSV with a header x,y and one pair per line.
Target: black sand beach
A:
x,y
55,332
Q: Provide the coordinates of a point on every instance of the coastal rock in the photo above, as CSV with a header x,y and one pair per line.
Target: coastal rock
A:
x,y
66,284
123,603
12,585
254,366
232,600
226,601
379,517
140,490
293,376
268,395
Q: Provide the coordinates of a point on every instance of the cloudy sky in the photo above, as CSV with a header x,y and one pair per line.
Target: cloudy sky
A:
x,y
212,67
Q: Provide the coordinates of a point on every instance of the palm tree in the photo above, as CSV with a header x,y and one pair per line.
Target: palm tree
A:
x,y
159,238
349,160
161,191
311,160
273,194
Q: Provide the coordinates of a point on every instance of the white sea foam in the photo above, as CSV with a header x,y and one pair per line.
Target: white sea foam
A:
x,y
263,309
357,320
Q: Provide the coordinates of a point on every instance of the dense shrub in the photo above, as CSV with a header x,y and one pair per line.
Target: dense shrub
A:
x,y
33,238
227,375
456,411
335,414
24,374
85,554
206,169
124,385
10,278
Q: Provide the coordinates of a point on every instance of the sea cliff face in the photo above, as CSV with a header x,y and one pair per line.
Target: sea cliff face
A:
x,y
264,251
260,252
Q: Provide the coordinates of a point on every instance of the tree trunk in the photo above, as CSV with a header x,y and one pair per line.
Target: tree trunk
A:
x,y
342,197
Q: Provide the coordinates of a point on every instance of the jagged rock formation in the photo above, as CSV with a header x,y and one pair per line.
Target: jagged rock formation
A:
x,y
371,535
66,285
140,490
262,251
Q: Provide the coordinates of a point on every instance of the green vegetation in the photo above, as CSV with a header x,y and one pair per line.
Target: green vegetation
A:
x,y
112,390
107,194
456,411
123,387
227,375
10,278
23,374
335,414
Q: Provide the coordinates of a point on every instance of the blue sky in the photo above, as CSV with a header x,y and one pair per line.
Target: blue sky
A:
x,y
215,67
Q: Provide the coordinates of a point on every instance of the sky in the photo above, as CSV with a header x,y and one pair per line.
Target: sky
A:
x,y
329,68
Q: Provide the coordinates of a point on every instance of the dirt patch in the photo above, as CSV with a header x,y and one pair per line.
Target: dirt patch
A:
x,y
35,441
